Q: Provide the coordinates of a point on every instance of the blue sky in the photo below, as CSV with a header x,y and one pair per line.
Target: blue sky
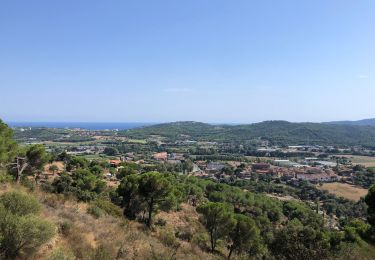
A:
x,y
203,60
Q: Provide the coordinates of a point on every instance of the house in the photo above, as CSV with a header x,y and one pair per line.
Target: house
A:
x,y
214,167
263,171
176,156
320,177
163,156
114,163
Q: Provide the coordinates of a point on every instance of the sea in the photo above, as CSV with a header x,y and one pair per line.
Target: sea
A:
x,y
82,125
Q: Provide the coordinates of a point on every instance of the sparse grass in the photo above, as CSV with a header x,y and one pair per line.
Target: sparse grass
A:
x,y
82,236
366,161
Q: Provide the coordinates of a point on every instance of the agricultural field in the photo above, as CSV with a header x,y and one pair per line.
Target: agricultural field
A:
x,y
137,141
345,190
366,161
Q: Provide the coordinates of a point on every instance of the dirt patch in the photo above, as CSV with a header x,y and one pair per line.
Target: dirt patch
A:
x,y
345,190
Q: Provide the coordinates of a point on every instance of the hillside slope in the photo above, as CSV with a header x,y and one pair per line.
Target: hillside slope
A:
x,y
277,132
83,236
367,122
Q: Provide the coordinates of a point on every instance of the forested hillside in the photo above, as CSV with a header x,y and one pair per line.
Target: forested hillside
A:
x,y
277,132
368,122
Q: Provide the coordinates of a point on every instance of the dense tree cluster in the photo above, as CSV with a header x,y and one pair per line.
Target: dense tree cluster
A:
x,y
83,178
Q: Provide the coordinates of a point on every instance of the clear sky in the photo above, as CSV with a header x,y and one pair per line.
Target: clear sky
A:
x,y
203,60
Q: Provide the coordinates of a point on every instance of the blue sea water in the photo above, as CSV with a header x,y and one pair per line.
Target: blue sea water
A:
x,y
83,125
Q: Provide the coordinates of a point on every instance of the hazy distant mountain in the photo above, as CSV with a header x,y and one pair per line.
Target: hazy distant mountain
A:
x,y
277,132
368,122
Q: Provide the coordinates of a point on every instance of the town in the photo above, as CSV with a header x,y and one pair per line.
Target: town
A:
x,y
222,162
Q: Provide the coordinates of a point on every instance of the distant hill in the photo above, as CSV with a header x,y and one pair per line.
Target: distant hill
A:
x,y
368,122
277,132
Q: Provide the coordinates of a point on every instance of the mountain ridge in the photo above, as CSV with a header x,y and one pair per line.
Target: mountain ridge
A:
x,y
362,122
277,132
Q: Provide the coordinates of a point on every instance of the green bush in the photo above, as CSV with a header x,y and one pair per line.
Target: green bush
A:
x,y
101,253
30,184
95,211
21,231
108,207
200,240
168,238
20,203
65,227
5,177
185,233
61,254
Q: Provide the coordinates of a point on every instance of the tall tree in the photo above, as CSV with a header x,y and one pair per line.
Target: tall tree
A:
x,y
244,235
218,219
299,241
155,189
128,190
370,201
8,146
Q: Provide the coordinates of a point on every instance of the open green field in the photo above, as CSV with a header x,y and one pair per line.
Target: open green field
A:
x,y
344,190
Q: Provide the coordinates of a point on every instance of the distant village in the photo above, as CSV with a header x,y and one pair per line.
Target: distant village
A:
x,y
291,164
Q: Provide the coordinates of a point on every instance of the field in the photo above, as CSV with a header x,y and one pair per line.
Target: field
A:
x,y
137,141
367,161
345,190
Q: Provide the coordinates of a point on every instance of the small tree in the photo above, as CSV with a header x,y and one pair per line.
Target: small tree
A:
x,y
244,235
154,189
30,160
218,219
53,168
110,151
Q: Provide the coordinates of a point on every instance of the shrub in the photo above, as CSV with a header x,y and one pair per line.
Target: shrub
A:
x,y
65,227
20,203
30,184
61,254
108,207
185,233
160,222
168,238
200,240
5,177
95,211
21,232
101,253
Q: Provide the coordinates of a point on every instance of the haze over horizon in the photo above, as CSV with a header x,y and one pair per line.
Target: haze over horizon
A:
x,y
207,61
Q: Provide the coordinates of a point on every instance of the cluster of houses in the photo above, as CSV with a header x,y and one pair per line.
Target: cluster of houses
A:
x,y
315,174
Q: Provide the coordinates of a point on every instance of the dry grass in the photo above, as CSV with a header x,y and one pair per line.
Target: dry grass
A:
x,y
345,190
60,166
81,236
366,161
